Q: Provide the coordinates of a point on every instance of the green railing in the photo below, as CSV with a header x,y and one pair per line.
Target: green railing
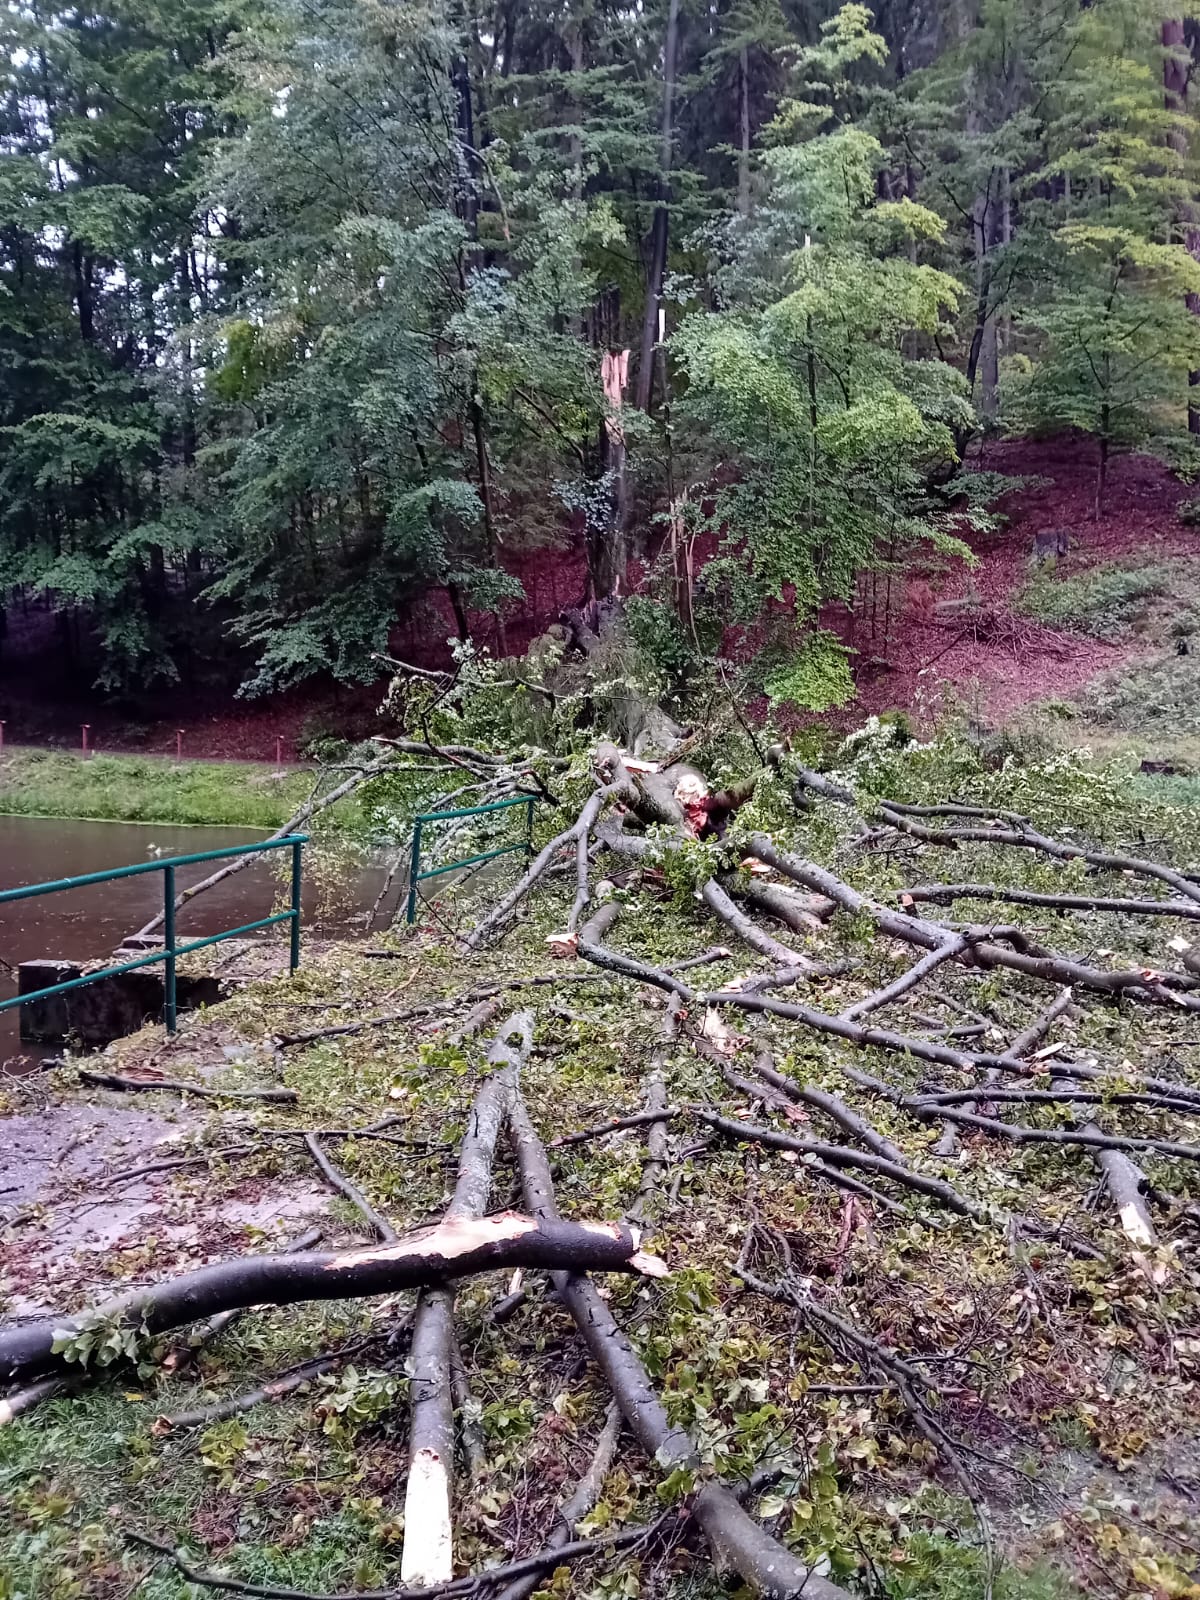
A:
x,y
171,951
416,876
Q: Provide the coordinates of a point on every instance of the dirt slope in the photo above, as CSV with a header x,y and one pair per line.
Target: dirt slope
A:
x,y
1003,660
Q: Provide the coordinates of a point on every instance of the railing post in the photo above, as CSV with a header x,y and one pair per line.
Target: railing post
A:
x,y
169,945
297,877
529,827
414,872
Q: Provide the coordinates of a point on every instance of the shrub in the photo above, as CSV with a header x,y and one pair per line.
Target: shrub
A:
x,y
1188,512
817,678
1104,603
1163,695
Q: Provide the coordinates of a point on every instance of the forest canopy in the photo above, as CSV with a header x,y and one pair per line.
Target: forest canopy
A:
x,y
311,310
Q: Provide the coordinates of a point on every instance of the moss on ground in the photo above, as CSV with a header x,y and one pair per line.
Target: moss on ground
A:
x,y
1070,1385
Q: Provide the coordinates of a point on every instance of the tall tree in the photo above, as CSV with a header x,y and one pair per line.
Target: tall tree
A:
x,y
804,380
1177,71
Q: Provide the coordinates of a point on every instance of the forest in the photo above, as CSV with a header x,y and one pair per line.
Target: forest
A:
x,y
316,318
749,1146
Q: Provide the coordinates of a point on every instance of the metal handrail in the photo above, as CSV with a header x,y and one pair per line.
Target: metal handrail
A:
x,y
416,876
171,951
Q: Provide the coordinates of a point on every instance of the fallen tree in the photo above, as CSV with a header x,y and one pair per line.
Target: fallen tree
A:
x,y
880,1061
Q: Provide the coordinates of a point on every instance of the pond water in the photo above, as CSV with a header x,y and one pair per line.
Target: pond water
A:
x,y
90,923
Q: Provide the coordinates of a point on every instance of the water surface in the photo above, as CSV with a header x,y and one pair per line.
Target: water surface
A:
x,y
89,924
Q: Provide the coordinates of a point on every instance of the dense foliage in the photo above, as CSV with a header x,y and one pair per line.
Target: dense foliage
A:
x,y
310,310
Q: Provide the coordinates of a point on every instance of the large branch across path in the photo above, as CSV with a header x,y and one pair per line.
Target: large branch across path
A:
x,y
428,1256
947,893
907,1045
1019,833
979,948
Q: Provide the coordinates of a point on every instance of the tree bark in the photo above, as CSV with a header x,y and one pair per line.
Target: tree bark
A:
x,y
736,1541
743,187
456,1249
1175,95
428,1555
660,228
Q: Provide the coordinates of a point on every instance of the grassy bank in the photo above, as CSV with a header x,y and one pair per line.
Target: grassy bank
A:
x,y
52,783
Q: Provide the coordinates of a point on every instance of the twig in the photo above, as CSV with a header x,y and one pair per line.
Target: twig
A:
x,y
951,950
275,1389
113,1080
229,1153
16,1403
380,1226
478,1584
582,1499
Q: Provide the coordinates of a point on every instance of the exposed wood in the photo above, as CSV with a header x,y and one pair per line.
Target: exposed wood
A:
x,y
427,1256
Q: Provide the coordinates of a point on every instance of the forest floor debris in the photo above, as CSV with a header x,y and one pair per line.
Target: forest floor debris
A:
x,y
894,1354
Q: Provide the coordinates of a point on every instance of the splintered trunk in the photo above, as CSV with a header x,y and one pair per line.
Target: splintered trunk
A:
x,y
660,228
1175,96
607,542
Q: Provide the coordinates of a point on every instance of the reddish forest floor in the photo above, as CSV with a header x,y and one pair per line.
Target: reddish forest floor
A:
x,y
1002,660
996,663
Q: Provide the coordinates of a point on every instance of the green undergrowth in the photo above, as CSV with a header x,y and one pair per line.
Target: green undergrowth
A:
x,y
51,783
1068,1384
1107,601
1158,697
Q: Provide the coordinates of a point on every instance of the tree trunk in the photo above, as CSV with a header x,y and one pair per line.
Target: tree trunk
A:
x,y
81,272
607,546
468,187
575,44
489,510
743,193
460,612
660,229
1102,466
982,362
1175,87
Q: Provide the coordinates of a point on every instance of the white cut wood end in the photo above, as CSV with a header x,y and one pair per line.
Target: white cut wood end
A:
x,y
428,1555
